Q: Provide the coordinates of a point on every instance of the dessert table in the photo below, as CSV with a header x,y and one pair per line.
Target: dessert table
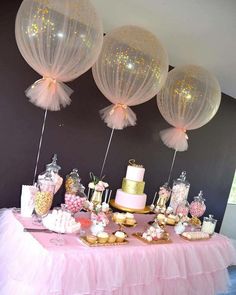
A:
x,y
31,265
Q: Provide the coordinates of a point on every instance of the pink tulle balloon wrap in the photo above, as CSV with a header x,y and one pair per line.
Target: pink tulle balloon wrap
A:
x,y
60,40
190,99
131,69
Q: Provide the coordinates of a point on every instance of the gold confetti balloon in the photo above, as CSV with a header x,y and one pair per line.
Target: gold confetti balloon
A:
x,y
59,39
131,69
190,99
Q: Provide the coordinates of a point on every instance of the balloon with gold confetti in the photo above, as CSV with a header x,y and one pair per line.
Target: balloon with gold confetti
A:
x,y
59,39
130,70
190,99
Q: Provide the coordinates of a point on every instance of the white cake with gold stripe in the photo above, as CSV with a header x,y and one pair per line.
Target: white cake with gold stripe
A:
x,y
131,195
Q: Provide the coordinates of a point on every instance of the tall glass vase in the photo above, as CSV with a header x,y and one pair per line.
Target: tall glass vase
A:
x,y
96,198
44,197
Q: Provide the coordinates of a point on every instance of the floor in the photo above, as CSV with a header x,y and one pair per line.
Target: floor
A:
x,y
232,273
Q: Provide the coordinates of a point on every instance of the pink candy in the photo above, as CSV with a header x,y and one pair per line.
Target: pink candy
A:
x,y
197,209
182,210
74,203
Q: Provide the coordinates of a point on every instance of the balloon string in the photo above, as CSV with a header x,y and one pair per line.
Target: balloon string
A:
x,y
172,166
40,145
107,151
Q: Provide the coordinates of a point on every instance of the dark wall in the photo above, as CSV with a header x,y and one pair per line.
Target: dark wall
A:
x,y
79,136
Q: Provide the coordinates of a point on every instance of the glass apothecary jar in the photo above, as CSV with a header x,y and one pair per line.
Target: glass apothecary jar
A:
x,y
180,191
44,197
53,167
73,184
183,208
197,206
209,224
75,196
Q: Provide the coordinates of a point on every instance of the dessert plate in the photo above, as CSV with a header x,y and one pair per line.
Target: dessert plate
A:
x,y
160,241
190,240
97,244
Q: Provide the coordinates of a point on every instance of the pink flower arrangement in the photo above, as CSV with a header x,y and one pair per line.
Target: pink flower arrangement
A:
x,y
100,217
97,184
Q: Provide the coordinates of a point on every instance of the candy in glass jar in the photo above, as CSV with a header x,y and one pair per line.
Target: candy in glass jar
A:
x,y
74,203
197,206
183,208
209,224
180,191
75,196
53,169
73,182
44,197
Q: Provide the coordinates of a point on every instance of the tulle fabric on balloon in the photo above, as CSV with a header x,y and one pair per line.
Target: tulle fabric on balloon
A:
x,y
175,138
49,94
131,68
60,40
118,117
190,99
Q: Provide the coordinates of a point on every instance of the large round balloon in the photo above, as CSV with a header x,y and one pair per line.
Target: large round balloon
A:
x,y
59,39
190,99
131,69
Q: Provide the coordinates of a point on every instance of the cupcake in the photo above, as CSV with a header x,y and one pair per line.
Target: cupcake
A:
x,y
120,218
102,237
114,215
171,219
112,239
161,217
120,236
91,239
130,219
172,216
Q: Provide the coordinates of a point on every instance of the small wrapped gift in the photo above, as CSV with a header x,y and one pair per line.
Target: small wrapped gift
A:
x,y
27,200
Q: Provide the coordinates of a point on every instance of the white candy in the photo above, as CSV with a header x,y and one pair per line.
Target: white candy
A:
x,y
144,235
149,239
54,212
61,221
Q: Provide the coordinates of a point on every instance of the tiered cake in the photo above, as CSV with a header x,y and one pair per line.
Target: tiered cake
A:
x,y
131,195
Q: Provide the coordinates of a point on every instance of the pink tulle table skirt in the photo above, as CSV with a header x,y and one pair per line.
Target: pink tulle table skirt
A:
x,y
31,265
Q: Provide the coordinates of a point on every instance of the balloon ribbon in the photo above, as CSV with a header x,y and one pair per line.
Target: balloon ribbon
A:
x,y
172,166
39,146
107,151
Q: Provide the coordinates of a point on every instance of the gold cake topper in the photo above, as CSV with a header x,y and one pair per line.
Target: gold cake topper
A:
x,y
132,163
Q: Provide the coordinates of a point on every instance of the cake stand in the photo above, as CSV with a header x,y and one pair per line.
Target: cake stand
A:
x,y
142,211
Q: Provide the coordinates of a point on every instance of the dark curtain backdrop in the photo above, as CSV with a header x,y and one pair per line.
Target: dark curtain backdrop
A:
x,y
79,136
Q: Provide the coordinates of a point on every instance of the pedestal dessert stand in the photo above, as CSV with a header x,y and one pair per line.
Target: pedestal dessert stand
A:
x,y
121,208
